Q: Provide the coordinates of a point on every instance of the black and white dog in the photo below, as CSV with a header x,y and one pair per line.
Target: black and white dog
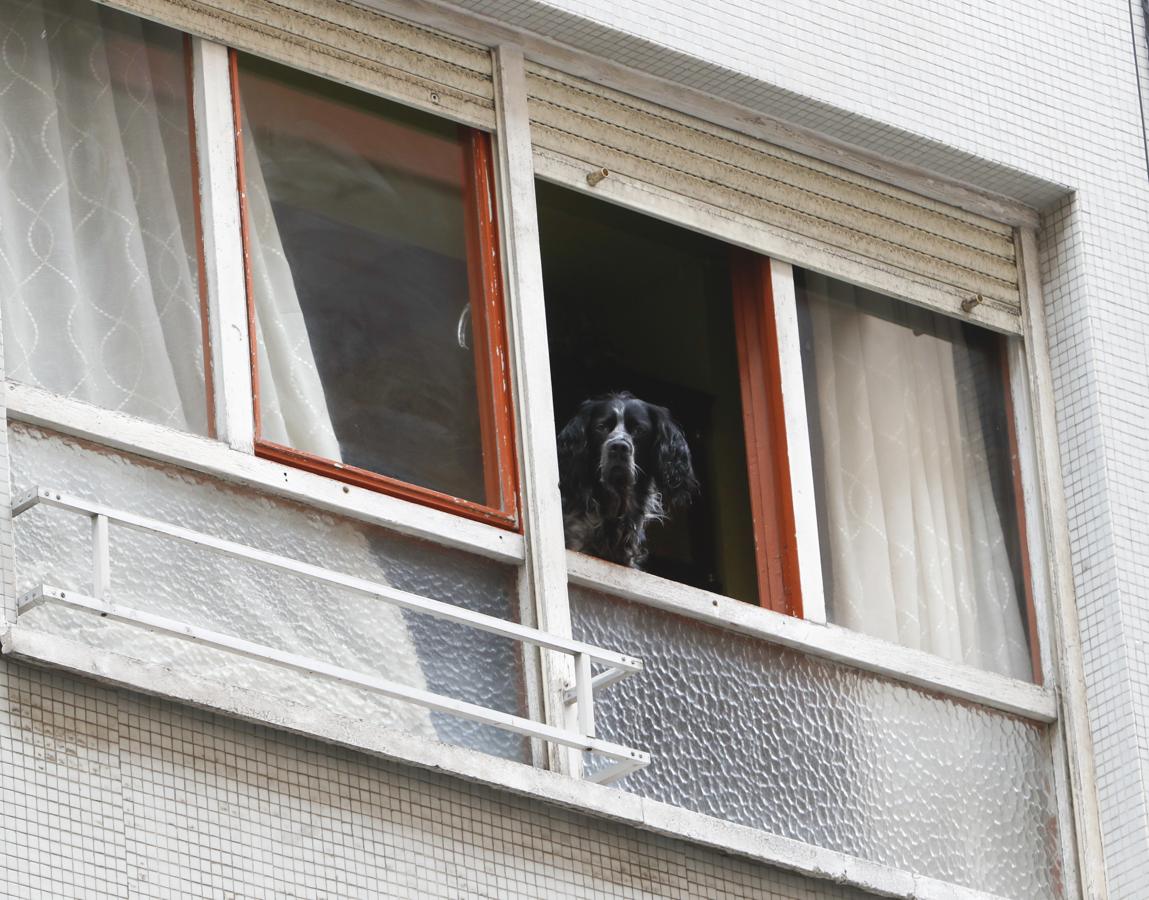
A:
x,y
623,463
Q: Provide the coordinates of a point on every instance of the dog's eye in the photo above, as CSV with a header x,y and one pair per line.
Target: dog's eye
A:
x,y
602,427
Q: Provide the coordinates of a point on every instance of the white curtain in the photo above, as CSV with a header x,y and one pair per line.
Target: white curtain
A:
x,y
97,264
98,277
916,547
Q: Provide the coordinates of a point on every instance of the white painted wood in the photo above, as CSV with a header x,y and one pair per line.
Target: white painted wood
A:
x,y
127,433
341,41
770,240
860,651
798,442
482,30
544,570
147,621
26,643
101,559
1033,505
223,246
1069,664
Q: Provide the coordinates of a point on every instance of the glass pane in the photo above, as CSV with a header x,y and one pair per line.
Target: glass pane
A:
x,y
808,749
100,275
359,252
911,445
259,604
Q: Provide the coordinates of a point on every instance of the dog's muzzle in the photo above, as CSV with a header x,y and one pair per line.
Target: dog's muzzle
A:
x,y
618,460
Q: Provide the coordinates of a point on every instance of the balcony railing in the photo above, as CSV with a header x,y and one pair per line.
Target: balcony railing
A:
x,y
618,760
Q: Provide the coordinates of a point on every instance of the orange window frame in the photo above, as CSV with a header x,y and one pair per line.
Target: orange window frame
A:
x,y
764,429
488,320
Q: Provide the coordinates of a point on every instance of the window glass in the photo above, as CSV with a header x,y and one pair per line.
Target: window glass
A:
x,y
98,249
358,241
911,441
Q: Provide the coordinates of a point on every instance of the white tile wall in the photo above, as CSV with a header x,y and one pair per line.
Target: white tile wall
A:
x,y
108,794
1034,99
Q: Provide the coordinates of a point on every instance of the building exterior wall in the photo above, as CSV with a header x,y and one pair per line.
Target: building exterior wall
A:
x,y
108,793
111,794
1037,101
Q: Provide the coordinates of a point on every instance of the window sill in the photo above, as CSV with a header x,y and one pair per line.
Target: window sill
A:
x,y
36,406
913,667
40,648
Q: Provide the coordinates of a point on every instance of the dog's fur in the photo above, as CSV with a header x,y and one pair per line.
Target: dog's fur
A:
x,y
623,463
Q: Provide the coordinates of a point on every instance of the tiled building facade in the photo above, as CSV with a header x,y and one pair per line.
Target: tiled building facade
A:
x,y
1030,107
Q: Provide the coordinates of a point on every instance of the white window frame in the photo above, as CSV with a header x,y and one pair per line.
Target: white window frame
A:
x,y
539,553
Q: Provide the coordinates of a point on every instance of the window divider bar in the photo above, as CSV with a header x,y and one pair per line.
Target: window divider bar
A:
x,y
101,561
544,573
222,245
798,441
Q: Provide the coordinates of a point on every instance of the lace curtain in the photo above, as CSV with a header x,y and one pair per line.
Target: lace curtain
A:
x,y
99,278
914,535
97,240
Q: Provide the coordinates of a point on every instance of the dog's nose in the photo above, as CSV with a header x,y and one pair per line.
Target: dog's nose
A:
x,y
619,449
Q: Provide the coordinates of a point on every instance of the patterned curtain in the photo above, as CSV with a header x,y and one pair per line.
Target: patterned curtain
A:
x,y
100,301
97,240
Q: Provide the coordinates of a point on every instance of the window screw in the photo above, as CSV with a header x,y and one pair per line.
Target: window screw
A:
x,y
596,176
969,303
434,96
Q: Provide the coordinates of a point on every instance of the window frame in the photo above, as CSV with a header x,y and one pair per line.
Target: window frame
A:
x,y
485,285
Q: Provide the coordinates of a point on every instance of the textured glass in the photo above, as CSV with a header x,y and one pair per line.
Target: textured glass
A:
x,y
808,749
253,602
360,277
97,226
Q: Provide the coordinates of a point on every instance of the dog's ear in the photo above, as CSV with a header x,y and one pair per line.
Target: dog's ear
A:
x,y
572,445
675,473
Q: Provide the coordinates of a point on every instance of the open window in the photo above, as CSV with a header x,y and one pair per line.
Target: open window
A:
x,y
917,501
374,290
636,304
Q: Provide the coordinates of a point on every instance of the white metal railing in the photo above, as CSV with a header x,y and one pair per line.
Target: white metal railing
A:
x,y
614,666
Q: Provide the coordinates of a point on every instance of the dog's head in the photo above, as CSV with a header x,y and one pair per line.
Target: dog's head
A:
x,y
620,445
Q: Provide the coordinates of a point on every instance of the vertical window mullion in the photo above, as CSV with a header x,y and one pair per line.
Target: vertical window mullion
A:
x,y
793,388
544,574
1010,364
222,245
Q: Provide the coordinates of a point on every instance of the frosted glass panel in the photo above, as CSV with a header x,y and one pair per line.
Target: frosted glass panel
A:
x,y
259,604
768,737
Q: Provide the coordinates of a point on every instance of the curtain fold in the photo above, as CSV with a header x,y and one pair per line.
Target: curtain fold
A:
x,y
917,549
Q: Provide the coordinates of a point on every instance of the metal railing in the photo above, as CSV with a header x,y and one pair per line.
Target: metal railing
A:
x,y
614,666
